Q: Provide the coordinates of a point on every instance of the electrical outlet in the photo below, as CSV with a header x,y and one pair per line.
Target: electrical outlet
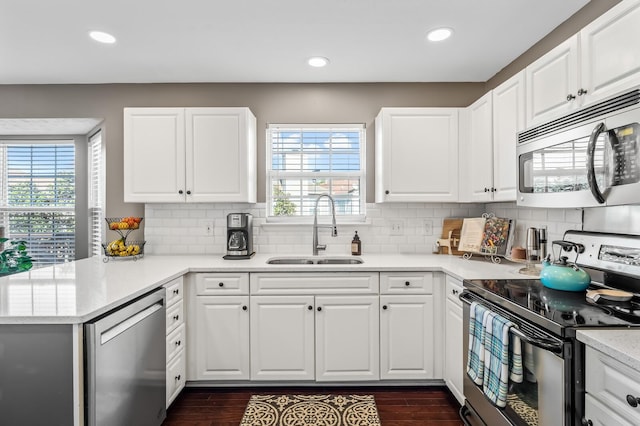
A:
x,y
397,227
208,231
427,227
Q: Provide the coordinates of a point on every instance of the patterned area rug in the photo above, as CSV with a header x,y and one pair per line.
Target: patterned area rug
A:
x,y
311,410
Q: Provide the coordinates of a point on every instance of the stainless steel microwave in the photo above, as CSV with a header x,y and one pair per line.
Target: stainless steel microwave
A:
x,y
587,158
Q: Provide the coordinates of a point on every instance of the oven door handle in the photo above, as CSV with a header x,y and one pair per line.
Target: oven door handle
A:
x,y
546,344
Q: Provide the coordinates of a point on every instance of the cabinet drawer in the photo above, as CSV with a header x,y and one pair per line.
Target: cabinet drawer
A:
x,y
175,316
174,290
609,381
453,289
176,376
315,283
406,283
219,284
176,341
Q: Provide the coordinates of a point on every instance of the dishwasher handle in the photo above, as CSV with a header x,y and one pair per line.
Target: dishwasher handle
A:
x,y
546,344
129,322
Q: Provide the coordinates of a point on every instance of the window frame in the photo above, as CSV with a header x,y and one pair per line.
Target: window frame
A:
x,y
270,173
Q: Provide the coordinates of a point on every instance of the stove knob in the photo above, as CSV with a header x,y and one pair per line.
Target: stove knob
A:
x,y
586,422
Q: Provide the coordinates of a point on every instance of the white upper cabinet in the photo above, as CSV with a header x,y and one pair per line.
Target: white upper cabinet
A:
x,y
488,143
602,60
154,167
508,120
476,142
189,155
416,155
610,56
552,83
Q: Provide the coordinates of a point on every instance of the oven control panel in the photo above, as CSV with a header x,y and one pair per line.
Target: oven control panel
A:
x,y
610,252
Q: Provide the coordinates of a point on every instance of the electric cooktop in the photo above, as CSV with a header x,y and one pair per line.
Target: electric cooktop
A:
x,y
564,308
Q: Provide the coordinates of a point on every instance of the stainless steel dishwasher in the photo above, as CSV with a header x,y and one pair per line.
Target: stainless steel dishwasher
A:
x,y
125,364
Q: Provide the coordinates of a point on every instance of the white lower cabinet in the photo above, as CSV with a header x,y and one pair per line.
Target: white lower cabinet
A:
x,y
612,388
176,339
408,334
347,338
406,337
218,333
453,335
222,338
282,338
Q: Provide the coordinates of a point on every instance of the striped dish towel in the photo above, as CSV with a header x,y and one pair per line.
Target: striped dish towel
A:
x,y
502,359
475,358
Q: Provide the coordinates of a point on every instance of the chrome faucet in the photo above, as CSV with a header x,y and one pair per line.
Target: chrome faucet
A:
x,y
334,229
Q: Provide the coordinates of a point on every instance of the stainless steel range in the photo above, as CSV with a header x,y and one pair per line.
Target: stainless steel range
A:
x,y
546,320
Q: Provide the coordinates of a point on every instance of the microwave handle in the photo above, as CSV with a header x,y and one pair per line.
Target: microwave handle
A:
x,y
591,168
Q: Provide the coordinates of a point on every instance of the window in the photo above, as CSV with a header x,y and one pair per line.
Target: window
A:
x,y
96,193
38,197
305,161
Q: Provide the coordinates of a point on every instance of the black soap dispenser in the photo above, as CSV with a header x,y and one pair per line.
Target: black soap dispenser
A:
x,y
356,245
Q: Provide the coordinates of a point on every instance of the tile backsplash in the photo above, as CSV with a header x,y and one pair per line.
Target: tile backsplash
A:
x,y
201,228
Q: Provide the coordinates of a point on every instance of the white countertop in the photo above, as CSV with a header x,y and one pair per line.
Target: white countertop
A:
x,y
621,344
76,292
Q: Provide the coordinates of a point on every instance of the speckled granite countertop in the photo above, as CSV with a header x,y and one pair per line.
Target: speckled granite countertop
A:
x,y
621,344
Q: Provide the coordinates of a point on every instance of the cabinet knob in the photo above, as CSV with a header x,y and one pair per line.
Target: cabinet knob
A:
x,y
178,342
181,192
582,92
486,189
454,291
176,317
178,377
310,308
570,97
633,401
586,422
244,308
385,307
386,192
176,291
493,190
407,283
220,284
188,192
319,308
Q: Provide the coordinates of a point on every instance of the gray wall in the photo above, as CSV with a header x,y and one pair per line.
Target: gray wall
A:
x,y
269,102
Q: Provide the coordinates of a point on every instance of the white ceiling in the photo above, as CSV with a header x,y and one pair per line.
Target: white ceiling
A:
x,y
45,41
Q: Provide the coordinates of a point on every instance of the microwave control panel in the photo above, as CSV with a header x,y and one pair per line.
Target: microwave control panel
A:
x,y
624,141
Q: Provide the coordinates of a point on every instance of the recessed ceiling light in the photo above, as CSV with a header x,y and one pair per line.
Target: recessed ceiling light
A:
x,y
318,61
102,37
439,34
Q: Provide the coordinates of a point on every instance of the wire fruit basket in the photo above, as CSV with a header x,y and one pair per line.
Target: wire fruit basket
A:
x,y
121,248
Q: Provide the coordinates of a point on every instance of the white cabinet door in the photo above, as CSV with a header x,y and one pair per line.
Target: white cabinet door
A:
x,y
453,364
282,338
598,414
189,155
347,338
220,155
416,155
406,337
610,57
552,83
476,148
154,154
508,120
222,338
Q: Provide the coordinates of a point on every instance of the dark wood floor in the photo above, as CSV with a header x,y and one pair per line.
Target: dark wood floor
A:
x,y
398,406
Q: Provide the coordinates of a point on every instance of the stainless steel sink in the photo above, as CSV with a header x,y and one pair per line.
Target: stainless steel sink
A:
x,y
315,261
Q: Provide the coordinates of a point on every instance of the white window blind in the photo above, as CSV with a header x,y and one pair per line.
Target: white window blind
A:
x,y
305,161
38,197
96,193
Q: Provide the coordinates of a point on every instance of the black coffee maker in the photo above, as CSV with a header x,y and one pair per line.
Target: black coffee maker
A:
x,y
239,236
